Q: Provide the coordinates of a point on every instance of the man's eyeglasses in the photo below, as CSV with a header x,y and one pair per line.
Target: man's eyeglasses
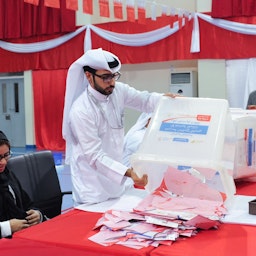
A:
x,y
5,156
108,77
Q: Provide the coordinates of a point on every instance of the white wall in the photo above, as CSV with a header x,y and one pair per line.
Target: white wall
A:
x,y
151,77
204,5
212,79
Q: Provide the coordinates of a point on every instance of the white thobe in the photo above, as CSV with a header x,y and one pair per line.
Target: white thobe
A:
x,y
96,122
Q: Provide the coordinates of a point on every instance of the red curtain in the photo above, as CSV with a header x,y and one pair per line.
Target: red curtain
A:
x,y
233,8
49,92
19,19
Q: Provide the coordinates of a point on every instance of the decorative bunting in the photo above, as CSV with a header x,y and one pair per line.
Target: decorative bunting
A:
x,y
34,2
118,9
72,4
52,3
180,15
104,8
88,6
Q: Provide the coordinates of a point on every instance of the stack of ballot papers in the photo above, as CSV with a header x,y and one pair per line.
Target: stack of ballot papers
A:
x,y
179,207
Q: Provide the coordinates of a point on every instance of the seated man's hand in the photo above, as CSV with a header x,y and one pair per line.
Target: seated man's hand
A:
x,y
17,225
33,217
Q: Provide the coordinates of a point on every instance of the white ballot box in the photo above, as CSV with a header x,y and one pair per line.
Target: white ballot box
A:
x,y
187,134
244,137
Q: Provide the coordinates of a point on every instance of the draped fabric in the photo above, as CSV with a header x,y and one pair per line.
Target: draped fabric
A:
x,y
233,8
200,38
49,90
20,20
55,58
211,39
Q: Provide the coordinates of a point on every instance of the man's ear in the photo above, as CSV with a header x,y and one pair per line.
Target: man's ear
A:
x,y
88,76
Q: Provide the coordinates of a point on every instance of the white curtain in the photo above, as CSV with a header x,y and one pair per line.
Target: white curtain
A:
x,y
241,81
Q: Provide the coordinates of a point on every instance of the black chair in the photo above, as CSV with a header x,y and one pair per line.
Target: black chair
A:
x,y
38,176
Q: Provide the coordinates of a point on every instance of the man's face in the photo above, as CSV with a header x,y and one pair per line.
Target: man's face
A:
x,y
102,86
103,81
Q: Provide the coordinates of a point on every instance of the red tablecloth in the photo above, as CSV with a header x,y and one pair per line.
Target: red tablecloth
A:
x,y
21,246
72,229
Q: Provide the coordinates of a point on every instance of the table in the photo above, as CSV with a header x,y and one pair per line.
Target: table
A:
x,y
68,233
71,230
21,246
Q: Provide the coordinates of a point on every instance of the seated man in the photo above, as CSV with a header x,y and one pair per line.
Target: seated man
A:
x,y
16,209
251,103
134,137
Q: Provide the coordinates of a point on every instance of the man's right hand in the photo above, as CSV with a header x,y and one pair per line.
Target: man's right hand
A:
x,y
17,225
140,182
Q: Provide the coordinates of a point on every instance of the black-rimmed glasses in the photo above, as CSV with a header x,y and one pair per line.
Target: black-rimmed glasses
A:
x,y
108,77
5,156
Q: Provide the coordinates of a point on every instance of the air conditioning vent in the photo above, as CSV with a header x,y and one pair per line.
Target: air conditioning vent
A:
x,y
184,83
180,78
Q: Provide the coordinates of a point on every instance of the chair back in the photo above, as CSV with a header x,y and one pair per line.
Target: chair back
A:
x,y
38,176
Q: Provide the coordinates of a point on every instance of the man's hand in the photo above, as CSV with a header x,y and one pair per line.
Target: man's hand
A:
x,y
33,217
172,95
17,225
141,182
251,107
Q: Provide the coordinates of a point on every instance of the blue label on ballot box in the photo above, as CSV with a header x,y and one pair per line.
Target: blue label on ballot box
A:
x,y
184,128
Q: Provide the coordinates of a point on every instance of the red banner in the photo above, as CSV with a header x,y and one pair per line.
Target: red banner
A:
x,y
141,15
34,2
88,6
104,8
72,4
130,13
118,10
52,3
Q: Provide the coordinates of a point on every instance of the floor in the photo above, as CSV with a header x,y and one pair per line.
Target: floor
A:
x,y
63,172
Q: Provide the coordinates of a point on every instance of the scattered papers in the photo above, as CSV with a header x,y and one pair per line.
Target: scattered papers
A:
x,y
181,206
138,232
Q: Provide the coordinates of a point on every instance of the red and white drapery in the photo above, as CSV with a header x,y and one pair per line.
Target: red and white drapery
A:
x,y
201,38
152,41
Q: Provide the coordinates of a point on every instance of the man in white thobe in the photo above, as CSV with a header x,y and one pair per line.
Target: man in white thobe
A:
x,y
93,127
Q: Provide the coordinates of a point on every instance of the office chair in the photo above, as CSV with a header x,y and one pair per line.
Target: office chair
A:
x,y
38,176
